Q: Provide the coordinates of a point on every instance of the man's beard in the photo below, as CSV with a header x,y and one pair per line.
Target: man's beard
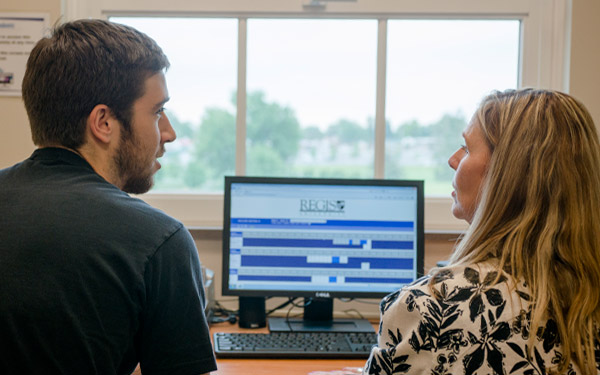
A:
x,y
133,169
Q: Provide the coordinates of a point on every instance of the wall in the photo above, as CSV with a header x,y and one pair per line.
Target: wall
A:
x,y
15,141
15,138
585,55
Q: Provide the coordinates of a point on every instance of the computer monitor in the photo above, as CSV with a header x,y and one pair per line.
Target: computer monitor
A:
x,y
321,239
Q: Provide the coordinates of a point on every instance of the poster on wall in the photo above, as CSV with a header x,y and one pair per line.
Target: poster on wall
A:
x,y
19,32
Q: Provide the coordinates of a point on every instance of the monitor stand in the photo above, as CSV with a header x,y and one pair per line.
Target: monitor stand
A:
x,y
318,317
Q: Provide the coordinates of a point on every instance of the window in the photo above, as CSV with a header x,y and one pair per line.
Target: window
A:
x,y
437,72
202,82
357,88
311,91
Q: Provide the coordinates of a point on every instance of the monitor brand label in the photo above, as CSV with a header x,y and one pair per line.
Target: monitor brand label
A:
x,y
322,294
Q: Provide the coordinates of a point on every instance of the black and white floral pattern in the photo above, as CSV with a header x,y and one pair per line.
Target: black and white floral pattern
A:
x,y
478,323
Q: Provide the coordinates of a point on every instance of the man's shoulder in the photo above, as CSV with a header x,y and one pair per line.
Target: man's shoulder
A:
x,y
64,186
134,211
128,220
6,171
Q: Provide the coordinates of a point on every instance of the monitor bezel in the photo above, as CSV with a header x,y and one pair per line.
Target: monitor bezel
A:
x,y
229,180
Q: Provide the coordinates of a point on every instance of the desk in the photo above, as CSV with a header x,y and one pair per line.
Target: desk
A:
x,y
229,366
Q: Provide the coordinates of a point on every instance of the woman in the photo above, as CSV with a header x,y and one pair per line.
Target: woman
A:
x,y
521,292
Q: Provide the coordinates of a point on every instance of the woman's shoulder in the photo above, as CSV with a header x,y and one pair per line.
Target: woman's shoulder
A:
x,y
467,320
477,285
481,274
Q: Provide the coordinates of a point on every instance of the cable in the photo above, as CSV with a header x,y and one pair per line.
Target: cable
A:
x,y
378,302
222,314
290,300
358,313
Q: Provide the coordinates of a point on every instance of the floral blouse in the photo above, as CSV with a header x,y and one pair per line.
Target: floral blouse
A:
x,y
475,326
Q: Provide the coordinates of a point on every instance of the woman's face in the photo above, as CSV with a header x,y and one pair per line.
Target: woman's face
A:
x,y
470,162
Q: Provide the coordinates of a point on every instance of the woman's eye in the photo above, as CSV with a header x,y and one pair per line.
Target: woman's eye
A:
x,y
464,148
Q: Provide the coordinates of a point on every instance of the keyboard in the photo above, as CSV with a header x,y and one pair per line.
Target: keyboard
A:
x,y
294,345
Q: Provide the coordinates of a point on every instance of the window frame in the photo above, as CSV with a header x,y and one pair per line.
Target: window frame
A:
x,y
543,63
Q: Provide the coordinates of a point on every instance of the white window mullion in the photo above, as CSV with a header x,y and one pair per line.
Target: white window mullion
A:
x,y
545,46
76,9
561,53
553,43
240,124
380,99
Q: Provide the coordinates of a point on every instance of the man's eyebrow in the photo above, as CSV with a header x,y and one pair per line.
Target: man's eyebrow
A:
x,y
162,102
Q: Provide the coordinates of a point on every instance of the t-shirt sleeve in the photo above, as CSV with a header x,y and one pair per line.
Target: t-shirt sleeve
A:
x,y
174,336
398,350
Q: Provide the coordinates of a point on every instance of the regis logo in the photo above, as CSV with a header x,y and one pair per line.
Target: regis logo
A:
x,y
322,205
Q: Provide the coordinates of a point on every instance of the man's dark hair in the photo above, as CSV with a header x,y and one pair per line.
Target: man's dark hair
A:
x,y
82,64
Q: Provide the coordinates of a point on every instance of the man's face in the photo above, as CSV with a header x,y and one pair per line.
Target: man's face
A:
x,y
136,157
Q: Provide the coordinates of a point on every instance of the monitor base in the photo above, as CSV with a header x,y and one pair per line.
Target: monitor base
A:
x,y
335,325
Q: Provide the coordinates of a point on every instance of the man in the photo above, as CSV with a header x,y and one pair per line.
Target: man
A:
x,y
93,281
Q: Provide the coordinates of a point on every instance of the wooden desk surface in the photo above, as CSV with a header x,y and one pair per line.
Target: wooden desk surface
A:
x,y
230,366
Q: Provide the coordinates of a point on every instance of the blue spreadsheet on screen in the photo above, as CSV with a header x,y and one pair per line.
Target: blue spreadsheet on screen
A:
x,y
330,238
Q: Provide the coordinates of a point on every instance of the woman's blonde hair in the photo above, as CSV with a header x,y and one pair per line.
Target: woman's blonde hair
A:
x,y
539,211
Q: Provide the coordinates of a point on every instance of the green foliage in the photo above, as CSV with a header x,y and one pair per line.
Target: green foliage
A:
x,y
412,129
184,129
265,161
347,131
215,145
312,132
205,152
195,175
448,138
393,169
171,172
273,126
337,171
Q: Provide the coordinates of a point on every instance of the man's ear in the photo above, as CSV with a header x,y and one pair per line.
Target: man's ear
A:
x,y
102,124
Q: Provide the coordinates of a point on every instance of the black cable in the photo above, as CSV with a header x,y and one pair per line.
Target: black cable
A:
x,y
290,300
221,314
376,302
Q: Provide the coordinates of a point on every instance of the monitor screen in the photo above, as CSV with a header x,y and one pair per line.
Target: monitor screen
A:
x,y
322,238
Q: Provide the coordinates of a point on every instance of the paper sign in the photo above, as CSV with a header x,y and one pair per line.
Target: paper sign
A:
x,y
19,32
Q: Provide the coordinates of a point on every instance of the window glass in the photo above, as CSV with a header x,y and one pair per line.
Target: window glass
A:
x,y
202,81
437,72
311,97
